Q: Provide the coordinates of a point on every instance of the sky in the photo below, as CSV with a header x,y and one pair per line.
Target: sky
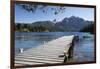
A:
x,y
22,16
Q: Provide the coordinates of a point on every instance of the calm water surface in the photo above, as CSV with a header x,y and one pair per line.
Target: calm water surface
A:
x,y
83,50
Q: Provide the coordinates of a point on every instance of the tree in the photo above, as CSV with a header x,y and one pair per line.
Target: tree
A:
x,y
18,26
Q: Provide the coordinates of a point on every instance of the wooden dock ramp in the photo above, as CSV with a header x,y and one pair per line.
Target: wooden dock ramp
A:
x,y
49,53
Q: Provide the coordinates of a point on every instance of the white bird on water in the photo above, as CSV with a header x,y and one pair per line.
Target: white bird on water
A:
x,y
21,50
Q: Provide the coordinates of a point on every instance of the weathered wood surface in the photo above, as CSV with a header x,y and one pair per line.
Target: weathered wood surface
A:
x,y
47,53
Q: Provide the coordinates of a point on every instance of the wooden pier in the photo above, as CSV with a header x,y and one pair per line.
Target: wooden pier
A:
x,y
59,50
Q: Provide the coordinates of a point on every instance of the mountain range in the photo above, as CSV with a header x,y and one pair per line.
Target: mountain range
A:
x,y
72,23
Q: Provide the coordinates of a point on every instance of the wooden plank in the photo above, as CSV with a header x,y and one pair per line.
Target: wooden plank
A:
x,y
47,53
41,58
49,57
27,63
37,60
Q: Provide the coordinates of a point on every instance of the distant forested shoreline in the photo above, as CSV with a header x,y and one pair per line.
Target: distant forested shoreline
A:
x,y
28,28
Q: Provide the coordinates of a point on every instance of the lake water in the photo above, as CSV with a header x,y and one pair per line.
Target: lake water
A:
x,y
83,50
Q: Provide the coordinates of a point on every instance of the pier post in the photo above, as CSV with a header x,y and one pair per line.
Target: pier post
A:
x,y
71,50
69,56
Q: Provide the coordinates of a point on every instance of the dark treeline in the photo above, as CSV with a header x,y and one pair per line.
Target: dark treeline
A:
x,y
28,28
89,28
